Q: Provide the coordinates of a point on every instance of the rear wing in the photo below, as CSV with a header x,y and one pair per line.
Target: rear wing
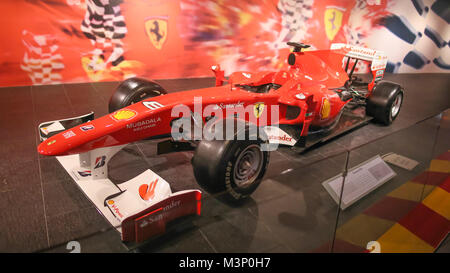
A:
x,y
377,58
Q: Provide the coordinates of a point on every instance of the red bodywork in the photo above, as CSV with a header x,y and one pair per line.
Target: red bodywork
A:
x,y
314,74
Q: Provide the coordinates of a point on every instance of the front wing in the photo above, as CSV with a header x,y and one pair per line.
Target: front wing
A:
x,y
139,208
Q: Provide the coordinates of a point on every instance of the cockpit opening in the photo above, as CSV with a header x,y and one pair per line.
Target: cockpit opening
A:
x,y
263,88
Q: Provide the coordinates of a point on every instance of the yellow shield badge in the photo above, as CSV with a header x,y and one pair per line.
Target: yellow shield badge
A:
x,y
156,29
258,109
333,21
326,109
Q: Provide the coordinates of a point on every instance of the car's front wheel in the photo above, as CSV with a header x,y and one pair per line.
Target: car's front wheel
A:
x,y
133,90
235,167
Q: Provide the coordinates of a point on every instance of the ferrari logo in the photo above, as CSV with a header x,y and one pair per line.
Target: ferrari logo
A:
x,y
326,108
258,109
333,21
156,28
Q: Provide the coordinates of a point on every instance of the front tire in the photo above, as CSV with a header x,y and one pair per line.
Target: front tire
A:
x,y
235,167
133,90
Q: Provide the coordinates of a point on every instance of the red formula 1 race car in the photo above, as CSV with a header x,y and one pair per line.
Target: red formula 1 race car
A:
x,y
299,107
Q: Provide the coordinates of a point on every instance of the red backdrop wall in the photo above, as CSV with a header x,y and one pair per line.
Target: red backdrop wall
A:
x,y
46,41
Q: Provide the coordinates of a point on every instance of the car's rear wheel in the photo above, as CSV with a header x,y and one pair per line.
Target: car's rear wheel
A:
x,y
133,90
385,103
396,105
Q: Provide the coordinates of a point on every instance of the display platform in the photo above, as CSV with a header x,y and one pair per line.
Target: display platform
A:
x,y
290,212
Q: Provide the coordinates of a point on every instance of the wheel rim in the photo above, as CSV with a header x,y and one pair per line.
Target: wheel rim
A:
x,y
396,105
248,166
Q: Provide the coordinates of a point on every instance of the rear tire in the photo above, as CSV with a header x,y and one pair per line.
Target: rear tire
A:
x,y
133,90
385,102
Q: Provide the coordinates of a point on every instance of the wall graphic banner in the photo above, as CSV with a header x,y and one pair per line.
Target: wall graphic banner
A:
x,y
64,41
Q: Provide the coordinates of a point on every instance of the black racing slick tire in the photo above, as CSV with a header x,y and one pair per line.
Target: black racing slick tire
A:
x,y
133,90
234,167
385,102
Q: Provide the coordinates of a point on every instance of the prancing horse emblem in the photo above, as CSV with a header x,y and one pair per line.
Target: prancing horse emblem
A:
x,y
258,109
156,29
333,21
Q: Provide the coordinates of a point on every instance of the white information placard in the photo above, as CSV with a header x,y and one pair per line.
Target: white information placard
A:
x,y
400,161
360,181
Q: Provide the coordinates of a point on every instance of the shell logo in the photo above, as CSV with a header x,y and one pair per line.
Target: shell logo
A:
x,y
125,114
326,109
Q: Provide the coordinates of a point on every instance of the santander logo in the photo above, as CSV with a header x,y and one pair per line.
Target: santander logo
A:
x,y
281,138
147,192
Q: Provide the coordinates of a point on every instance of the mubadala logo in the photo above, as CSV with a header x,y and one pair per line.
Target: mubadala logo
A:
x,y
143,123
